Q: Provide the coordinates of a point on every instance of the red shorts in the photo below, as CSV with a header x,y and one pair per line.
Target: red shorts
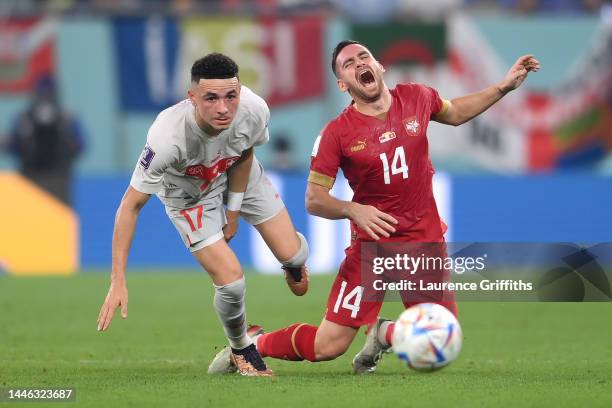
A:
x,y
348,305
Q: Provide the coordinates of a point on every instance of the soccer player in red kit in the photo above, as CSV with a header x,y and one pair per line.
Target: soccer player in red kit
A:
x,y
380,143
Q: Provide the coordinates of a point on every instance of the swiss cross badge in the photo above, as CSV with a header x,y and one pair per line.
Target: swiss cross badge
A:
x,y
412,126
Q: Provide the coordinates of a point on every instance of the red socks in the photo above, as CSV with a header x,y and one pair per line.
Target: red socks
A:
x,y
389,333
294,343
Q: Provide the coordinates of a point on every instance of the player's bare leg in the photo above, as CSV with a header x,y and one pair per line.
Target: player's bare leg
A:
x,y
224,269
289,247
333,340
279,234
220,262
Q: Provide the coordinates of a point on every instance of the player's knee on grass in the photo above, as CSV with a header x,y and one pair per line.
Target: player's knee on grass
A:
x,y
300,257
329,347
331,350
332,340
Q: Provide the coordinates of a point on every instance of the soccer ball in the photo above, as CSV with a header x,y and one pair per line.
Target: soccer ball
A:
x,y
427,337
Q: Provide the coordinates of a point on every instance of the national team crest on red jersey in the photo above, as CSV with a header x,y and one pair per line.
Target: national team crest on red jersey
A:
x,y
412,126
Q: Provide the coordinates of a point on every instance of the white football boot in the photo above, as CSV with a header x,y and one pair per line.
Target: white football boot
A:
x,y
367,359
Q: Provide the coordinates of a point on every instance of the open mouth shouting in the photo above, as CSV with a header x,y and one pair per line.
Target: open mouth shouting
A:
x,y
366,78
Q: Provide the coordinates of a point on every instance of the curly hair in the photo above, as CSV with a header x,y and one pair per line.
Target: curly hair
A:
x,y
214,66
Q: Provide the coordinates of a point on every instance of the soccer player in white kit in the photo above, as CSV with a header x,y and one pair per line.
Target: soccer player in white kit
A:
x,y
195,151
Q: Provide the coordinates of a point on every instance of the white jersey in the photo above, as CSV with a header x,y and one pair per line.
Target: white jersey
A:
x,y
183,165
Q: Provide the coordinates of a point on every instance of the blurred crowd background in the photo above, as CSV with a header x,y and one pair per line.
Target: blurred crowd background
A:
x,y
82,80
389,8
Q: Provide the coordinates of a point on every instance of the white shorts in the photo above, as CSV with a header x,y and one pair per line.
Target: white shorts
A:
x,y
201,225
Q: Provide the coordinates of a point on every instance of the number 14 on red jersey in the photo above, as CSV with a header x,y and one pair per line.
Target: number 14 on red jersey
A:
x,y
398,164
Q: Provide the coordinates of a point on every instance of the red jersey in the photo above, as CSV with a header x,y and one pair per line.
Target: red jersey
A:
x,y
386,161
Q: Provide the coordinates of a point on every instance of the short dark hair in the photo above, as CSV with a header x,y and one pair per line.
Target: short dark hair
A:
x,y
214,66
340,47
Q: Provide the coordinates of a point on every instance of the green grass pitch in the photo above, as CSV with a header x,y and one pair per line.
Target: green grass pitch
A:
x,y
514,354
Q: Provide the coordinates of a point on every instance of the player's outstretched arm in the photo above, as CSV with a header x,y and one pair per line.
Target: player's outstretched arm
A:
x,y
125,224
468,107
238,180
368,218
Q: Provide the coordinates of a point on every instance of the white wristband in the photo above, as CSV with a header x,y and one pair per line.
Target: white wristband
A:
x,y
234,201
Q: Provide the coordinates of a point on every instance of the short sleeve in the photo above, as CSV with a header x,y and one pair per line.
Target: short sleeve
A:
x,y
436,103
262,136
156,157
254,132
325,160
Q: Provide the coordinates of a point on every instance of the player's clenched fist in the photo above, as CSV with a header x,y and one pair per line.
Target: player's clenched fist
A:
x,y
371,220
117,297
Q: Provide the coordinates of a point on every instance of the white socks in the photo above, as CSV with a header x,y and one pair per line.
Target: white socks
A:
x,y
299,258
229,305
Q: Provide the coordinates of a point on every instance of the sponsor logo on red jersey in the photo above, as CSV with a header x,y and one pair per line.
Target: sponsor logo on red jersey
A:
x,y
361,144
385,137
